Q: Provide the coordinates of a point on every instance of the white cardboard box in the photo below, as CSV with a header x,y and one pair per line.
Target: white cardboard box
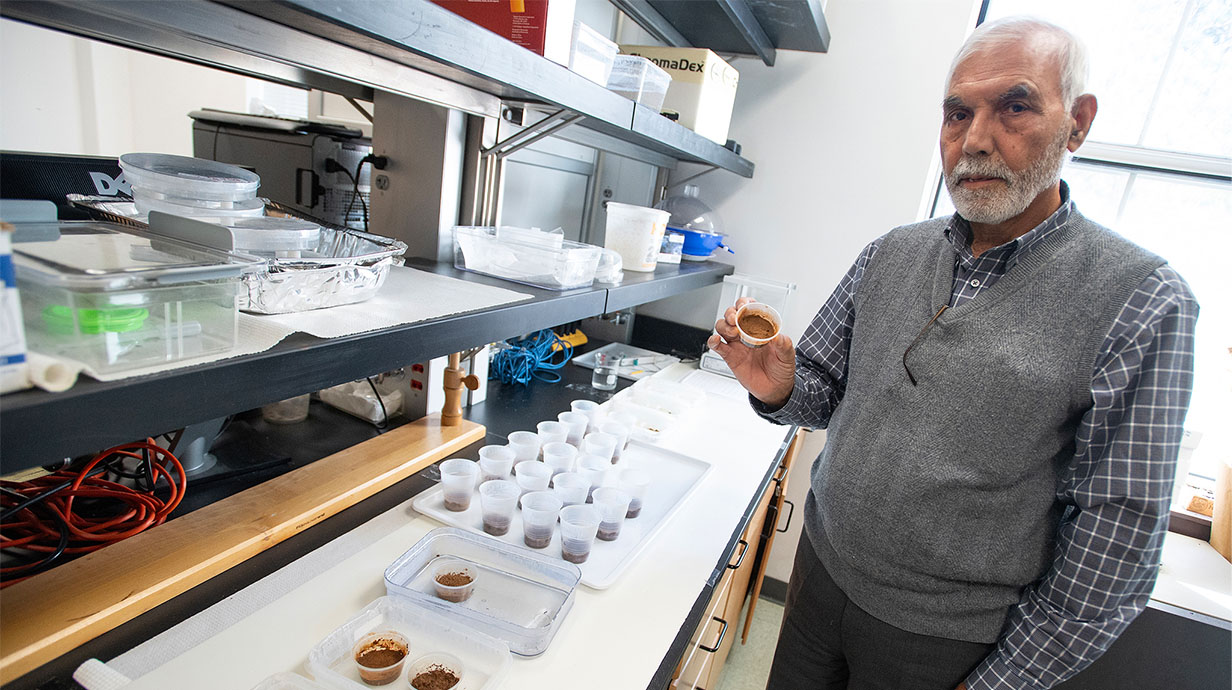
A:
x,y
703,88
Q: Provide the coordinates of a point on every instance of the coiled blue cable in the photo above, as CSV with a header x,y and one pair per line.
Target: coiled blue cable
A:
x,y
531,357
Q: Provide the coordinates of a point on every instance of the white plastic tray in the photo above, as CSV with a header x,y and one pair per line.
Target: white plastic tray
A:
x,y
676,476
485,659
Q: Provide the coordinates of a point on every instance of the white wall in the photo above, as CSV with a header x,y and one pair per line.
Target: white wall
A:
x,y
844,145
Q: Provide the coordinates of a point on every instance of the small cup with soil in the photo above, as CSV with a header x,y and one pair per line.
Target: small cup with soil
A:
x,y
613,505
436,671
454,580
758,324
532,476
635,483
380,655
498,498
458,478
539,512
495,462
578,526
571,487
595,469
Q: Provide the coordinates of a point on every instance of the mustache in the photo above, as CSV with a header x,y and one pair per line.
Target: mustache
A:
x,y
970,166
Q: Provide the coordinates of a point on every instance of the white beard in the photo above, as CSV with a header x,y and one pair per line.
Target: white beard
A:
x,y
993,204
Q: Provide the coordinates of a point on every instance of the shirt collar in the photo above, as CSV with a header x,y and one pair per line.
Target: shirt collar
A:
x,y
958,232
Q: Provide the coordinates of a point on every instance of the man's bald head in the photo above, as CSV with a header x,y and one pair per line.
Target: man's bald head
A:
x,y
1068,51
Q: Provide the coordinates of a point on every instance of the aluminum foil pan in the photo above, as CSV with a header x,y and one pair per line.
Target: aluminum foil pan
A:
x,y
347,266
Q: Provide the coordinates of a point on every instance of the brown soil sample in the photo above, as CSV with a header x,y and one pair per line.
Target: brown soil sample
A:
x,y
608,534
457,506
496,529
537,542
380,654
454,579
437,677
635,509
574,557
756,326
379,658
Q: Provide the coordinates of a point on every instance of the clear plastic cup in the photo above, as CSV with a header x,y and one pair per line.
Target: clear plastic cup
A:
x,y
578,526
495,462
498,498
572,487
439,666
454,579
594,468
539,512
525,445
635,483
552,432
577,423
531,475
620,430
758,324
600,443
379,656
458,479
613,505
560,457
590,408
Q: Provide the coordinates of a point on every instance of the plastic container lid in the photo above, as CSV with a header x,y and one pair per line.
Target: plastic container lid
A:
x,y
274,234
194,178
689,212
248,208
60,319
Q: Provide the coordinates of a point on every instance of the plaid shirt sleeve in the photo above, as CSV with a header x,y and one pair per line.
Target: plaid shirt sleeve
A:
x,y
1118,489
821,356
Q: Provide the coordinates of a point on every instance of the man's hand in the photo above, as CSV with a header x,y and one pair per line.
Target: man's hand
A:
x,y
768,372
961,686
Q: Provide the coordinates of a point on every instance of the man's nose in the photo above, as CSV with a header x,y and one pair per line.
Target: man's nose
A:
x,y
978,139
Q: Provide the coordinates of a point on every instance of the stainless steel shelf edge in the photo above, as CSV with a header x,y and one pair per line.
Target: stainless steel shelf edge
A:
x,y
665,281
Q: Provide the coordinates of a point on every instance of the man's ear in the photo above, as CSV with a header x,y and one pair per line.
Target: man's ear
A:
x,y
1083,114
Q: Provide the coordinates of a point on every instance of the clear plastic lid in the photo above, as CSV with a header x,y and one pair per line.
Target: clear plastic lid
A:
x,y
690,213
249,208
274,234
102,257
195,178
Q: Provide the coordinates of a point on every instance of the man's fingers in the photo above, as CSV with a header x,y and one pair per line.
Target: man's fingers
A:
x,y
743,301
727,330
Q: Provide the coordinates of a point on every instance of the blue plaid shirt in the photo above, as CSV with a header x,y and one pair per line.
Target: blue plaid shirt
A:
x,y
1118,487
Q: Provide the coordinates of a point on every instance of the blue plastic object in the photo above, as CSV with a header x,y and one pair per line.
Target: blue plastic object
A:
x,y
700,244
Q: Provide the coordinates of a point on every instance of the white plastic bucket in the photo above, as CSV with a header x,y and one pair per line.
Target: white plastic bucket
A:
x,y
636,233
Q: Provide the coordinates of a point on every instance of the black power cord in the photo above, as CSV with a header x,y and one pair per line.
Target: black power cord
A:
x,y
378,162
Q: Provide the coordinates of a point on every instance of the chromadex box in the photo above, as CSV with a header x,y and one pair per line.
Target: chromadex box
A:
x,y
703,87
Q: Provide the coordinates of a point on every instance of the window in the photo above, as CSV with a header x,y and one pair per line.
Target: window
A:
x,y
1157,166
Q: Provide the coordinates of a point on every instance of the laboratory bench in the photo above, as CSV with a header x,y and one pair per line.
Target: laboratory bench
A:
x,y
663,606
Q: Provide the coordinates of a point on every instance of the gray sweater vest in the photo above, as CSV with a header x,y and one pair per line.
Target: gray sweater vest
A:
x,y
934,505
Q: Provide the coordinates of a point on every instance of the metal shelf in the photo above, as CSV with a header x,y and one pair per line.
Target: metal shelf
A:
x,y
41,427
352,47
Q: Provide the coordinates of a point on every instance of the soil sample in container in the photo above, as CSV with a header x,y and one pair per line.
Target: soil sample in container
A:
x,y
537,542
457,506
757,325
437,677
454,584
574,551
496,526
635,508
608,533
380,658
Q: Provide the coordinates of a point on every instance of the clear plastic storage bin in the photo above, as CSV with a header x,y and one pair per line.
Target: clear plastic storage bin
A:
x,y
118,298
518,595
507,253
592,54
639,79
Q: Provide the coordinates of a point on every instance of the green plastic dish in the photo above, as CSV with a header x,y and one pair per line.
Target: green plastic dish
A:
x,y
59,319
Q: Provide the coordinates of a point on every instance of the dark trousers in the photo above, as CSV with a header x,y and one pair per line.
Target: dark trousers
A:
x,y
829,643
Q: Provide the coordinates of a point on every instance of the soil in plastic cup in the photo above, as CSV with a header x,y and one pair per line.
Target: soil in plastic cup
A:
x,y
590,408
531,476
454,580
539,512
613,505
560,457
600,443
436,670
552,432
498,498
495,462
578,526
572,487
380,656
604,376
525,445
594,468
576,423
458,479
758,324
635,483
621,431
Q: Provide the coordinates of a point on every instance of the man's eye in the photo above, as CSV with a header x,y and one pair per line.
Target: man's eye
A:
x,y
1017,108
957,116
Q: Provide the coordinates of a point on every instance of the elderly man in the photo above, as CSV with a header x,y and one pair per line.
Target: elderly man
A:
x,y
1004,392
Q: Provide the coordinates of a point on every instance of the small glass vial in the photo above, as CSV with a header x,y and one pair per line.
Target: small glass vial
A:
x,y
604,376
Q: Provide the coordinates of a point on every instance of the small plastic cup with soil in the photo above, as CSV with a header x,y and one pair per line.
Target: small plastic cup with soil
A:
x,y
560,457
532,476
454,580
600,443
576,423
622,431
551,432
595,470
380,656
436,671
590,408
571,487
613,505
498,498
635,483
578,526
458,479
495,462
525,445
539,512
758,324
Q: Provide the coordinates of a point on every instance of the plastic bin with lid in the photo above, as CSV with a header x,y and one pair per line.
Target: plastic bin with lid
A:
x,y
510,253
118,298
170,177
639,79
592,54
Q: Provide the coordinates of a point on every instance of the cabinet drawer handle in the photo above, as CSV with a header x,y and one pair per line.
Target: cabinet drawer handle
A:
x,y
790,512
719,642
736,565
